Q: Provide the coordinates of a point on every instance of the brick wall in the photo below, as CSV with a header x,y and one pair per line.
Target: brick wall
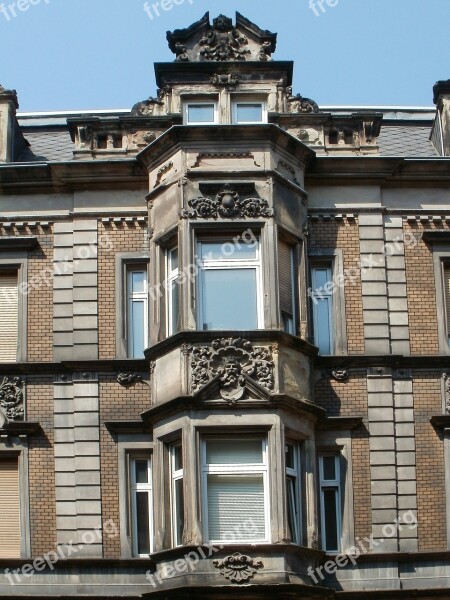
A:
x,y
39,400
116,403
421,290
112,239
430,463
344,236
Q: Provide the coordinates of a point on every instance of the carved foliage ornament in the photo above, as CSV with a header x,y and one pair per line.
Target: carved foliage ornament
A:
x,y
232,360
238,568
227,205
223,42
11,399
447,392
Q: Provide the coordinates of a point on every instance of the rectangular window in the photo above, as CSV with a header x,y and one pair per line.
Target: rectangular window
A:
x,y
322,308
10,539
293,492
200,113
229,286
235,490
141,506
447,296
173,291
137,310
287,277
9,312
177,493
330,502
249,112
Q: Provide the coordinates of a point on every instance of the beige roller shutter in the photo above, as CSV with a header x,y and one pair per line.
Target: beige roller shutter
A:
x,y
447,294
8,317
9,508
285,277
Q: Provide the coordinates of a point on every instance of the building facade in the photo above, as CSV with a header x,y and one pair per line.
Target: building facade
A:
x,y
224,326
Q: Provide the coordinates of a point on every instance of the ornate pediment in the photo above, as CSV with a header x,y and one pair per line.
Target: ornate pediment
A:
x,y
222,41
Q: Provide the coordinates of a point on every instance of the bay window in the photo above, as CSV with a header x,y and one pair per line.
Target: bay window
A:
x,y
235,490
330,502
141,506
229,286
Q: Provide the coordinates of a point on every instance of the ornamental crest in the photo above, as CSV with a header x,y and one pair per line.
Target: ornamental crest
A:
x,y
224,42
301,105
238,568
11,399
233,361
227,205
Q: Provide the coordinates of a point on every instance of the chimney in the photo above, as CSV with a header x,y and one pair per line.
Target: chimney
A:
x,y
440,134
12,142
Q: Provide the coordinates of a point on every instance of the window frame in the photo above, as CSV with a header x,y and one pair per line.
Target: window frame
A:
x,y
187,102
296,475
329,268
334,484
293,327
228,264
18,262
441,256
249,100
123,261
130,298
232,469
172,276
134,488
176,475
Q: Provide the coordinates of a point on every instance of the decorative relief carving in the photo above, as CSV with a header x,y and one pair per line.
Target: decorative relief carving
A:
x,y
127,379
224,42
11,399
238,568
299,104
225,80
224,155
446,377
340,374
227,205
162,172
232,360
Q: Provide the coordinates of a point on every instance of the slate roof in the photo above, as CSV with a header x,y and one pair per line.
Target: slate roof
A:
x,y
406,140
47,146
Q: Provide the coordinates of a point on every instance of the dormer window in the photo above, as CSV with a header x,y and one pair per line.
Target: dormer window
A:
x,y
249,112
200,113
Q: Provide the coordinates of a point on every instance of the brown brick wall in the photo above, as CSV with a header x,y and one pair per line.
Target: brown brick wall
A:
x,y
112,239
345,236
116,404
431,495
39,400
421,290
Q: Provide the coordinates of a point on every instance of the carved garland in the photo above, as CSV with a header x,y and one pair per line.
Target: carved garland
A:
x,y
227,205
232,360
238,568
11,399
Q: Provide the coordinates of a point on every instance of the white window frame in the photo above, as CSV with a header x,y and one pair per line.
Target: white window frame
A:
x,y
224,264
318,296
249,101
134,489
188,103
136,297
172,275
175,475
334,484
294,494
234,469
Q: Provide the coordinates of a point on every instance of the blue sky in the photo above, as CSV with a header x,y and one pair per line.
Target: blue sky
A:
x,y
85,54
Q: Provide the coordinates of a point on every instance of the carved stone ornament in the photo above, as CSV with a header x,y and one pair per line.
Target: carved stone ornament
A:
x,y
147,108
232,360
298,104
11,399
238,568
227,205
447,392
128,379
225,79
340,374
224,42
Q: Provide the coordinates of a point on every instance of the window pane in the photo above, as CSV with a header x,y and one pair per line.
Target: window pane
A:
x,y
174,309
322,324
200,113
138,282
229,250
329,468
230,299
141,471
137,328
249,113
292,509
330,519
179,511
177,458
143,522
173,259
290,456
234,503
234,452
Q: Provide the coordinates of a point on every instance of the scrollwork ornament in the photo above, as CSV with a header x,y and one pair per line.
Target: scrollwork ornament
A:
x,y
128,379
238,568
227,205
11,398
223,42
